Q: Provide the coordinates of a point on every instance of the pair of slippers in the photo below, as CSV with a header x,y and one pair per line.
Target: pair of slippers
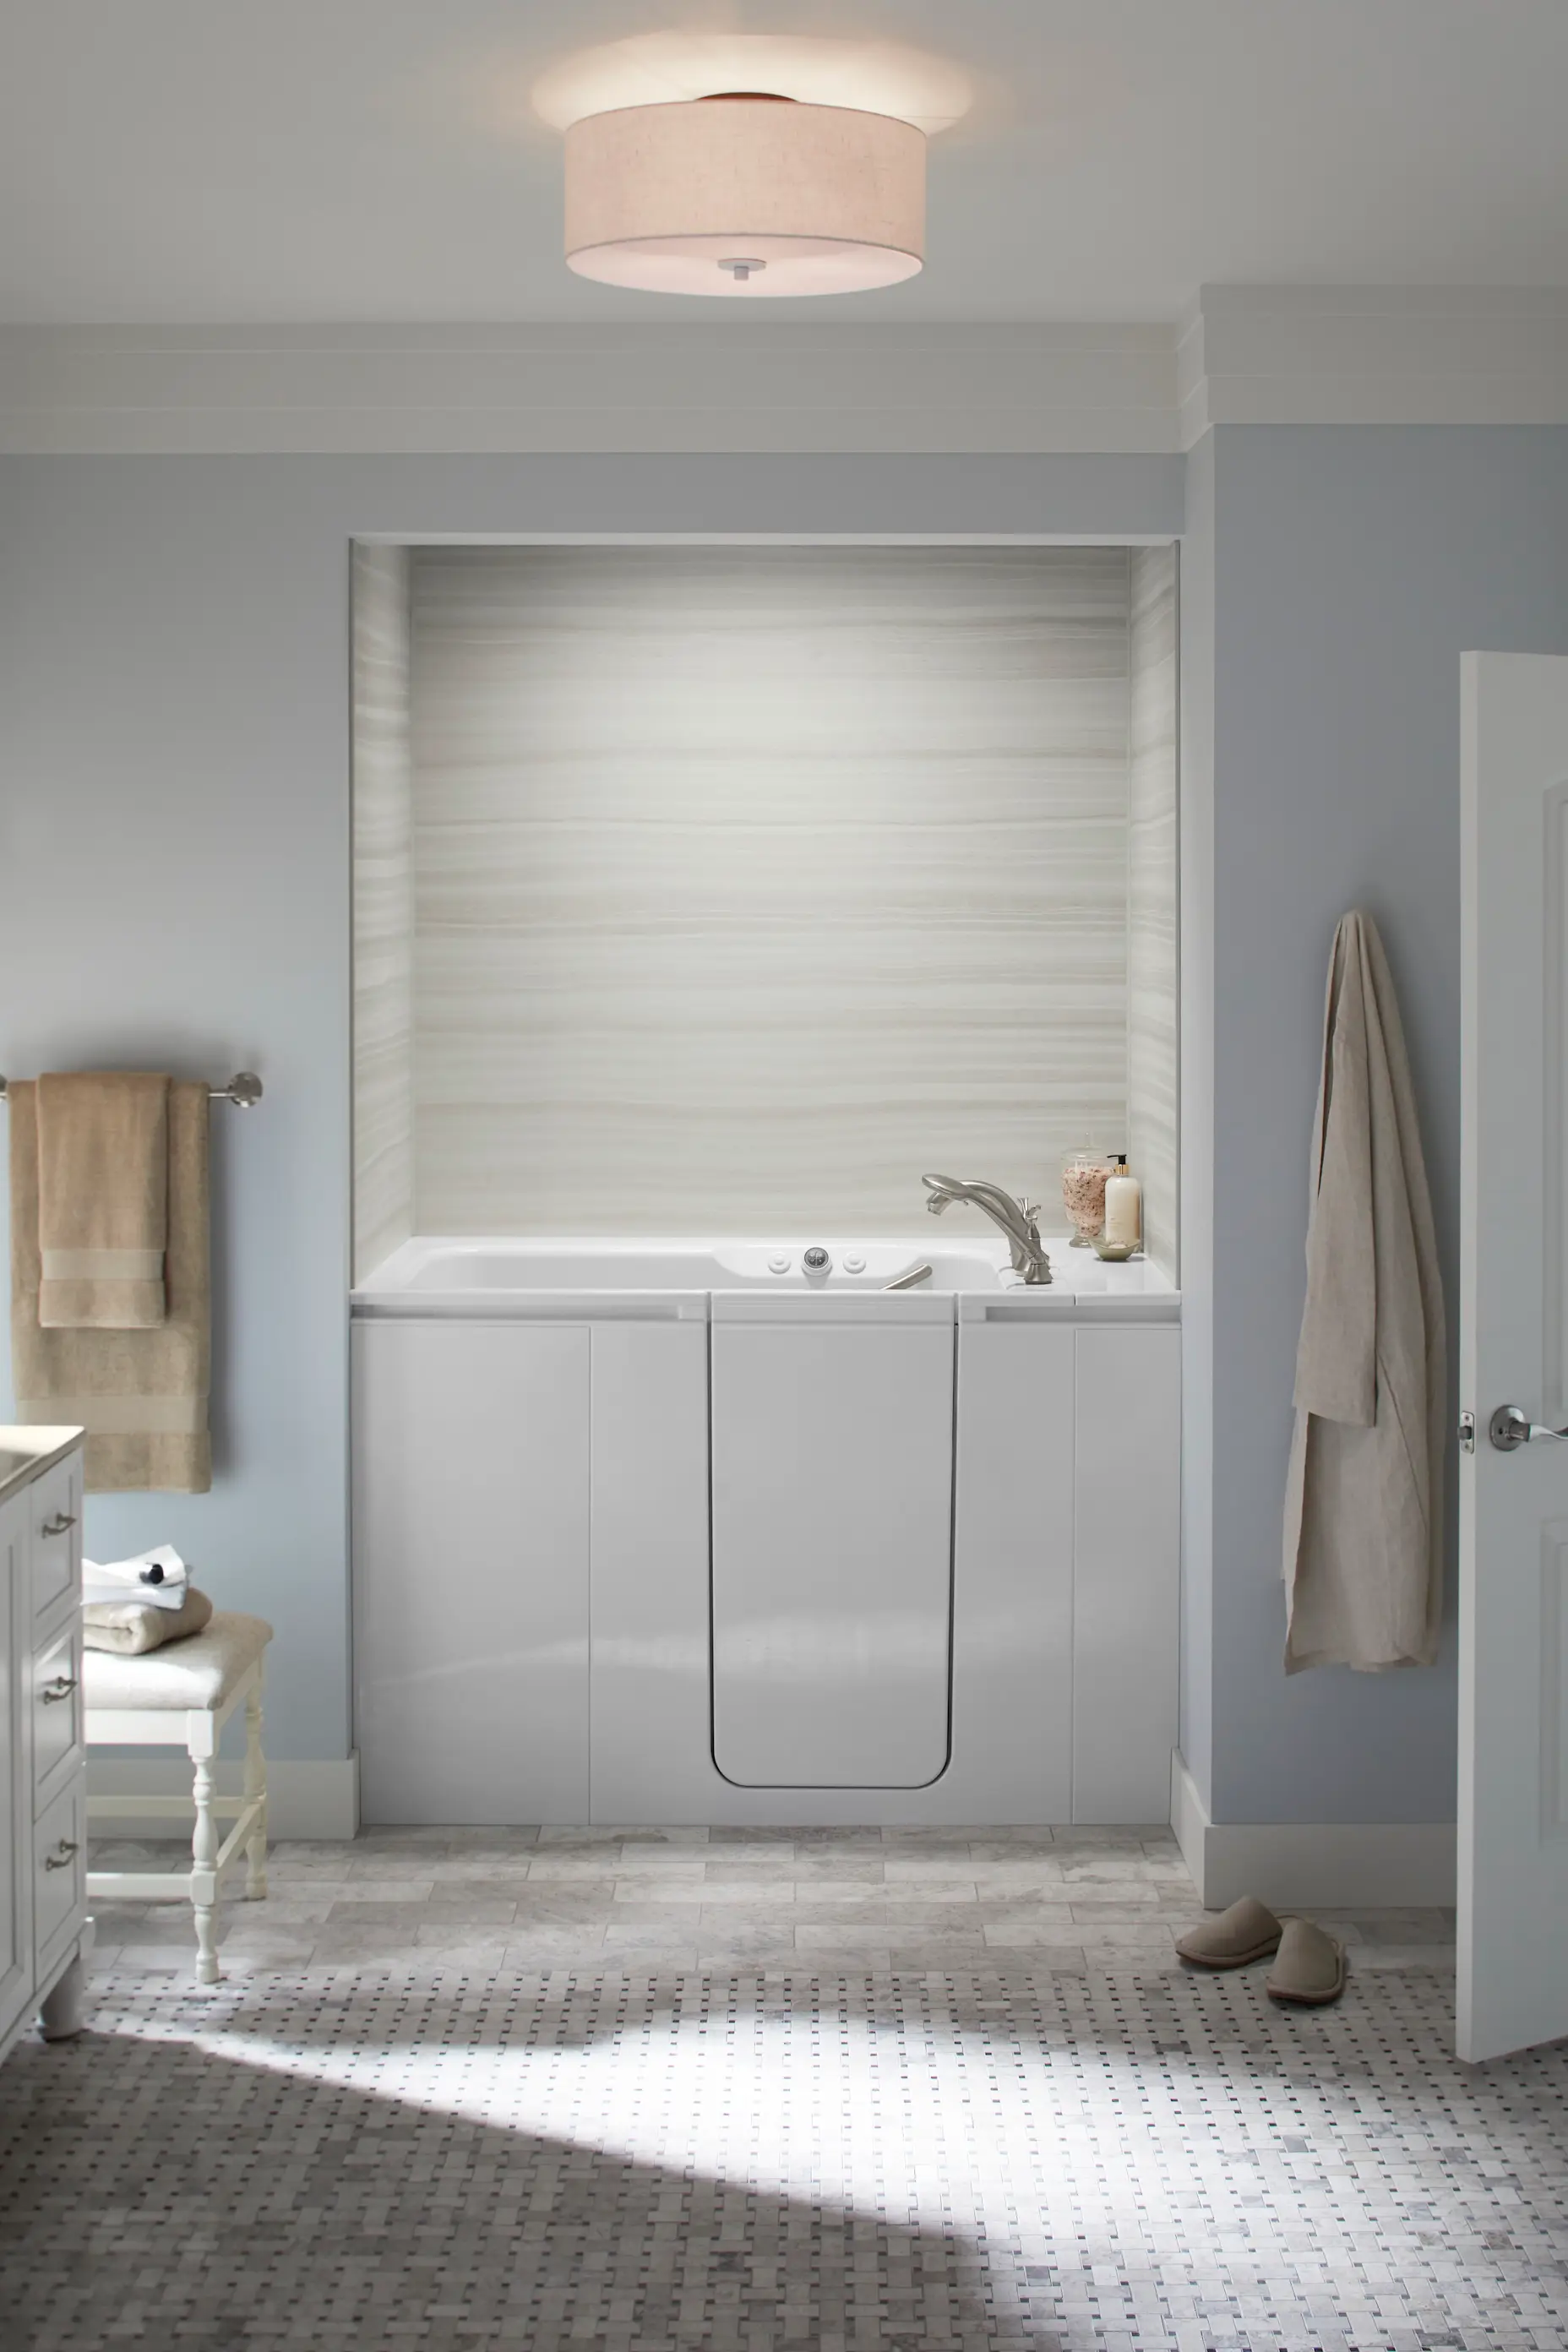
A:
x,y
1309,1966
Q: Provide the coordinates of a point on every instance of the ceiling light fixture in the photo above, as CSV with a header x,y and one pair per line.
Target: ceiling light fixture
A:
x,y
807,179
745,193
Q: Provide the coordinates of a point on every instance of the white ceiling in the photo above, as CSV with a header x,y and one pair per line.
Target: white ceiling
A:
x,y
319,161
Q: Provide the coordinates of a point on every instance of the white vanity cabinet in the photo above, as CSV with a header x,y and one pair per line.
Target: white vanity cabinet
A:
x,y
16,1813
42,1763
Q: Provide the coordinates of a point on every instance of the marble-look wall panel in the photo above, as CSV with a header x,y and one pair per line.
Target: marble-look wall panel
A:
x,y
1151,944
753,882
382,908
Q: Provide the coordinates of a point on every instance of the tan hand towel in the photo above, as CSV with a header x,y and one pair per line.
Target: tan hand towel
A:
x,y
132,1626
141,1396
103,1199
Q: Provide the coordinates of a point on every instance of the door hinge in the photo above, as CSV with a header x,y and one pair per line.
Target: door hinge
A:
x,y
1467,1432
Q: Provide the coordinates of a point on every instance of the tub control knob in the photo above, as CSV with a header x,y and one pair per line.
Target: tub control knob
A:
x,y
854,1266
778,1266
817,1261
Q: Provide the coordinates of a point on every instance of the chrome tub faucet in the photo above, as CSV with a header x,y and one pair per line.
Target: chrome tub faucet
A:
x,y
1016,1220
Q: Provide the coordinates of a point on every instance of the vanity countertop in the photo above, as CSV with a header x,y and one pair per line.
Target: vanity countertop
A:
x,y
26,1452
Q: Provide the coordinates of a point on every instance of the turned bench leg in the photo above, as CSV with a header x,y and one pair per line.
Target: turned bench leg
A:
x,y
203,1872
254,1793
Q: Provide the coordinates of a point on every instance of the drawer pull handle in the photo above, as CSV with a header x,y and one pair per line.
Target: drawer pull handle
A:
x,y
61,1857
61,1687
60,1525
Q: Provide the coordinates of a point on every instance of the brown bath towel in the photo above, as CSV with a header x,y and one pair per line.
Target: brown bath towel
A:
x,y
103,1199
141,1396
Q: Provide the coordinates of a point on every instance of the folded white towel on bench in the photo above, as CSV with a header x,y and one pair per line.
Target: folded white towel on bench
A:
x,y
108,1582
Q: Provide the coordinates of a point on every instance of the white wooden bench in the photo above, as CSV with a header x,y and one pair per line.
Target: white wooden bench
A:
x,y
181,1696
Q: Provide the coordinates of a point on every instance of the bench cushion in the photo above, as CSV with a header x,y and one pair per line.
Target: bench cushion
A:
x,y
197,1674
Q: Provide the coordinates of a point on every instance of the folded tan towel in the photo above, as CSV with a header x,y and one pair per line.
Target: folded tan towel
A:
x,y
103,1199
132,1626
141,1396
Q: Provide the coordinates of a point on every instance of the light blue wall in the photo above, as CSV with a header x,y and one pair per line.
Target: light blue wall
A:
x,y
1351,568
174,885
175,872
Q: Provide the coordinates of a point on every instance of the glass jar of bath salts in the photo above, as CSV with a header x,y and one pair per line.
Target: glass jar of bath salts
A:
x,y
1085,1175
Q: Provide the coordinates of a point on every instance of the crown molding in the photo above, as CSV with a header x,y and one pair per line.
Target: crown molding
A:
x,y
1242,355
689,390
1371,355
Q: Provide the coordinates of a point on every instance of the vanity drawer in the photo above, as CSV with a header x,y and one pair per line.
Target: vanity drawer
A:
x,y
57,1749
60,1871
55,1500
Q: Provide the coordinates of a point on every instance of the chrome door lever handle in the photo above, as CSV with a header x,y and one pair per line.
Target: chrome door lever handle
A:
x,y
1509,1428
61,1524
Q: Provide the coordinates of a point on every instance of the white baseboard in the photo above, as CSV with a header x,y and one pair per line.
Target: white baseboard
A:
x,y
1189,1818
312,1799
1327,1865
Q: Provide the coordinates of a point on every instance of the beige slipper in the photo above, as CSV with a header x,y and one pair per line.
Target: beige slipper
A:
x,y
1309,1969
1249,1931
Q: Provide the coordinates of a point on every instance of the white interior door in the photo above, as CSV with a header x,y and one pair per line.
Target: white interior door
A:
x,y
1513,1354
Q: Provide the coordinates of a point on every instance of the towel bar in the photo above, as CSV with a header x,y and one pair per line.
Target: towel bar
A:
x,y
243,1090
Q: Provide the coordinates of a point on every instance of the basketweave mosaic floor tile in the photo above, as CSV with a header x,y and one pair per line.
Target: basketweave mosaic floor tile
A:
x,y
451,2158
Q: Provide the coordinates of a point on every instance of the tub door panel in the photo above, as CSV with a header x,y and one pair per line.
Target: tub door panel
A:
x,y
1127,1573
832,1559
1013,1572
470,1543
651,1736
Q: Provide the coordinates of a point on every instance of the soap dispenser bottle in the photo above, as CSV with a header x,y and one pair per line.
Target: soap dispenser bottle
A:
x,y
1123,1228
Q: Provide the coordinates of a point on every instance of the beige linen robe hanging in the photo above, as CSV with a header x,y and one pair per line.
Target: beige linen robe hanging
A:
x,y
1363,1511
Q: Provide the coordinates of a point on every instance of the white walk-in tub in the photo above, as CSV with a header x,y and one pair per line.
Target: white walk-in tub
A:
x,y
511,1277
714,1531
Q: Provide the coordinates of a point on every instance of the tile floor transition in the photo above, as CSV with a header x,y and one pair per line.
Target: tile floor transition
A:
x,y
486,2091
686,1899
